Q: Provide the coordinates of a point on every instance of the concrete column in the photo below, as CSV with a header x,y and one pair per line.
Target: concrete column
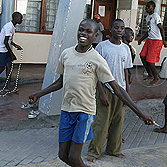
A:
x,y
158,6
68,17
7,10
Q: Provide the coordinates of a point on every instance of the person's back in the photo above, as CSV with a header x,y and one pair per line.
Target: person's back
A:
x,y
7,30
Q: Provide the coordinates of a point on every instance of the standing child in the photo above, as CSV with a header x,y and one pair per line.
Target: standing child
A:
x,y
150,53
110,109
80,67
164,129
127,39
6,53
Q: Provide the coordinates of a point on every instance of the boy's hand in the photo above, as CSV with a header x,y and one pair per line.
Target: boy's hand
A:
x,y
18,47
104,99
148,120
32,98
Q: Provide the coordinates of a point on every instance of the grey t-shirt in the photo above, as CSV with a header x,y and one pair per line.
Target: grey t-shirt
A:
x,y
118,58
100,35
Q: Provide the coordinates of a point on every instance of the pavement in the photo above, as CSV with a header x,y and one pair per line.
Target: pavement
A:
x,y
34,142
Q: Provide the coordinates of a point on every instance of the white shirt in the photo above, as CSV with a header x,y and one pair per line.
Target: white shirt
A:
x,y
118,58
7,30
81,71
153,29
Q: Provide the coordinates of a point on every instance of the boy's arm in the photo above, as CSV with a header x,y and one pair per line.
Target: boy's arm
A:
x,y
162,33
102,95
144,37
16,46
126,80
124,97
8,48
58,84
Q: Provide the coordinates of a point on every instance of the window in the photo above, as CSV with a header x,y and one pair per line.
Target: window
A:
x,y
39,15
141,27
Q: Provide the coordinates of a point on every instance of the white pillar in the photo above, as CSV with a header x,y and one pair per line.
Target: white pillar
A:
x,y
158,6
68,17
6,16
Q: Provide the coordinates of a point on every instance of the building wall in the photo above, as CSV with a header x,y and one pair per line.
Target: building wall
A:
x,y
36,46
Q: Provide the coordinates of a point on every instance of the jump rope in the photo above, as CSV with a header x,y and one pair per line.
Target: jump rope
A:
x,y
17,77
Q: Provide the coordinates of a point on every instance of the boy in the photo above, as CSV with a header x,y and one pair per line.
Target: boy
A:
x,y
127,39
164,129
6,53
110,109
80,67
150,53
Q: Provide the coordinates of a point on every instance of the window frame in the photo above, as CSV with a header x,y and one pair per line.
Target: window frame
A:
x,y
43,20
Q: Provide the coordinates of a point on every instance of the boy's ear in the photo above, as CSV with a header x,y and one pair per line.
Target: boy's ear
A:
x,y
96,34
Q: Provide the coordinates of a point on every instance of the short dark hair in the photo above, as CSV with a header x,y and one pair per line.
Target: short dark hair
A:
x,y
120,20
152,3
16,14
93,21
128,28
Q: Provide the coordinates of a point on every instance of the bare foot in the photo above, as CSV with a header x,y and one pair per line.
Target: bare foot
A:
x,y
161,130
154,82
147,78
123,141
91,158
116,155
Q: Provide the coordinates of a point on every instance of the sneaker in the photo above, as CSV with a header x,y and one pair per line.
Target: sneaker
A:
x,y
25,106
145,73
33,114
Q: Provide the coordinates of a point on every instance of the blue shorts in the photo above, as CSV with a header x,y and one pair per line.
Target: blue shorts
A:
x,y
75,126
5,58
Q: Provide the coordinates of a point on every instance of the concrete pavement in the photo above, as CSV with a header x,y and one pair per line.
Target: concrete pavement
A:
x,y
26,142
36,142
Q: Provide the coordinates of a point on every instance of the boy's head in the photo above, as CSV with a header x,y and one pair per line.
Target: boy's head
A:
x,y
17,17
117,28
87,31
150,7
129,35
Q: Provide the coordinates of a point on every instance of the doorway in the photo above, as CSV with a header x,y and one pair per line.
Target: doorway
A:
x,y
107,10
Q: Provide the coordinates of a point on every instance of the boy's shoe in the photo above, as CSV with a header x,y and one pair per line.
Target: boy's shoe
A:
x,y
145,73
25,106
33,114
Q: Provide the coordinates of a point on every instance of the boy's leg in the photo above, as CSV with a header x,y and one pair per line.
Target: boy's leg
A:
x,y
8,69
154,72
164,129
2,69
147,67
64,152
114,142
100,127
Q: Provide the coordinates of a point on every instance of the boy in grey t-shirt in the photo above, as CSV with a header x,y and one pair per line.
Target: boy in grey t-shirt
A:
x,y
110,109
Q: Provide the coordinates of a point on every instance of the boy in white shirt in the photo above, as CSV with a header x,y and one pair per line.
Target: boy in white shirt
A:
x,y
6,53
150,53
